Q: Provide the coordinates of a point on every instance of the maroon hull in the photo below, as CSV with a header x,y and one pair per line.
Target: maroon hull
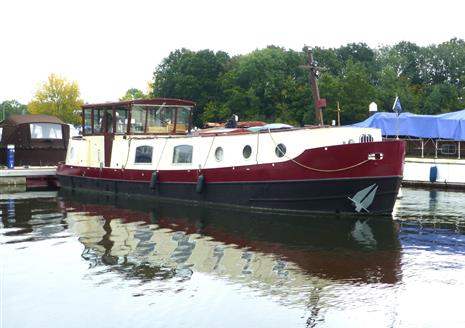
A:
x,y
322,180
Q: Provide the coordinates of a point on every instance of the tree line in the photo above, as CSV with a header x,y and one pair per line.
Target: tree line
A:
x,y
272,84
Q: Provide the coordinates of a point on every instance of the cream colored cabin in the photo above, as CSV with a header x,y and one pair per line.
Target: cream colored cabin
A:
x,y
154,134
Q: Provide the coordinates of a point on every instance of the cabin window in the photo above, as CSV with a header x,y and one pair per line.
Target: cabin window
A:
x,y
160,119
87,121
448,149
219,154
280,150
366,138
138,119
98,120
183,118
121,119
1,131
143,154
45,131
247,151
183,154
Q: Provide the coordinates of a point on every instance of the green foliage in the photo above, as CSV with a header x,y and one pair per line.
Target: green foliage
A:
x,y
12,107
272,84
133,94
57,97
191,75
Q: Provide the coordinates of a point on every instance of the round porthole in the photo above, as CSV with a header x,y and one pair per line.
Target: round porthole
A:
x,y
247,151
280,150
219,154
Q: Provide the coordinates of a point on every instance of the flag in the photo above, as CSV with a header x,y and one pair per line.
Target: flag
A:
x,y
397,107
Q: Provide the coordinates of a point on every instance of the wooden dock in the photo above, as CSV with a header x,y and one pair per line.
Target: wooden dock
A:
x,y
29,176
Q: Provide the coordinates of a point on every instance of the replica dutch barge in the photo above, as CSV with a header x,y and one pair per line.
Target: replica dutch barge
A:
x,y
149,148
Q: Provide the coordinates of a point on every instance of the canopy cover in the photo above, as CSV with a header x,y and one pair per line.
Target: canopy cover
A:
x,y
442,126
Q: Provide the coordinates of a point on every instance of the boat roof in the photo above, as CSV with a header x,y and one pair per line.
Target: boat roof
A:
x,y
443,126
26,119
150,101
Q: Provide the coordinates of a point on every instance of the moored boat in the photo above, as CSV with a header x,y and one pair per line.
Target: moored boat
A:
x,y
435,146
30,148
149,148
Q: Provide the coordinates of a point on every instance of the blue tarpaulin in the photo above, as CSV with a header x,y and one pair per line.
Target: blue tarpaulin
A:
x,y
442,126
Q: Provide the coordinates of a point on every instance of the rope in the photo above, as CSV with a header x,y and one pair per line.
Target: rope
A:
x,y
312,168
258,146
211,145
129,148
161,154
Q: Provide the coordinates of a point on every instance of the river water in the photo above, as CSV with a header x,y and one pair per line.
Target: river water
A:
x,y
77,260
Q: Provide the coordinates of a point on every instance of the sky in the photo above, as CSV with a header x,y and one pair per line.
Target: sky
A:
x,y
110,46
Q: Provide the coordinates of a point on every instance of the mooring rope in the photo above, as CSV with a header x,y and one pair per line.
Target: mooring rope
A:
x,y
161,154
209,149
313,168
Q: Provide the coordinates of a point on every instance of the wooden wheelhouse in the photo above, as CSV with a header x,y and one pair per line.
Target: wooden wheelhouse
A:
x,y
138,117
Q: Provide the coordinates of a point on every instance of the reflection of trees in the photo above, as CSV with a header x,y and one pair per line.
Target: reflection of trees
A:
x,y
32,217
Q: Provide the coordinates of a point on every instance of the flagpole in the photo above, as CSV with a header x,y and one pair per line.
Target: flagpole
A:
x,y
397,108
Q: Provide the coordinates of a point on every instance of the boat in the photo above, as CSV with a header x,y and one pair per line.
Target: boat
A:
x,y
30,148
435,148
152,150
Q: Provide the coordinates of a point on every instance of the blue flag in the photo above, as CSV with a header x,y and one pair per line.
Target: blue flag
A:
x,y
397,107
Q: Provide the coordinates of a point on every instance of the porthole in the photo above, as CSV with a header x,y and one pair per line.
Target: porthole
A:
x,y
219,154
280,150
247,151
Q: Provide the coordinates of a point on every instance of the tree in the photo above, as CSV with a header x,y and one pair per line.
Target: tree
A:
x,y
12,107
133,94
191,75
57,97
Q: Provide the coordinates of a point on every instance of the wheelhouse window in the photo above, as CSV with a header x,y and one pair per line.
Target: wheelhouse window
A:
x,y
160,119
87,121
45,131
182,154
183,119
143,154
121,114
167,119
138,119
98,120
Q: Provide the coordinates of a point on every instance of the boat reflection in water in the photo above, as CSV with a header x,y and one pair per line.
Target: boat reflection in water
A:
x,y
160,241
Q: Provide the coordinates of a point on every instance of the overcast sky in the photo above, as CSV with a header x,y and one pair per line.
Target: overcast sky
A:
x,y
109,46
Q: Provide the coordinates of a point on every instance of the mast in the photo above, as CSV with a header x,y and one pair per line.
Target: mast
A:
x,y
319,103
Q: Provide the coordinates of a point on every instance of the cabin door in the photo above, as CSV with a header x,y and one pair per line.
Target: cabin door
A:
x,y
108,135
108,141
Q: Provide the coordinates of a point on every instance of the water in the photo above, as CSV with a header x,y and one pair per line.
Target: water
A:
x,y
74,260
